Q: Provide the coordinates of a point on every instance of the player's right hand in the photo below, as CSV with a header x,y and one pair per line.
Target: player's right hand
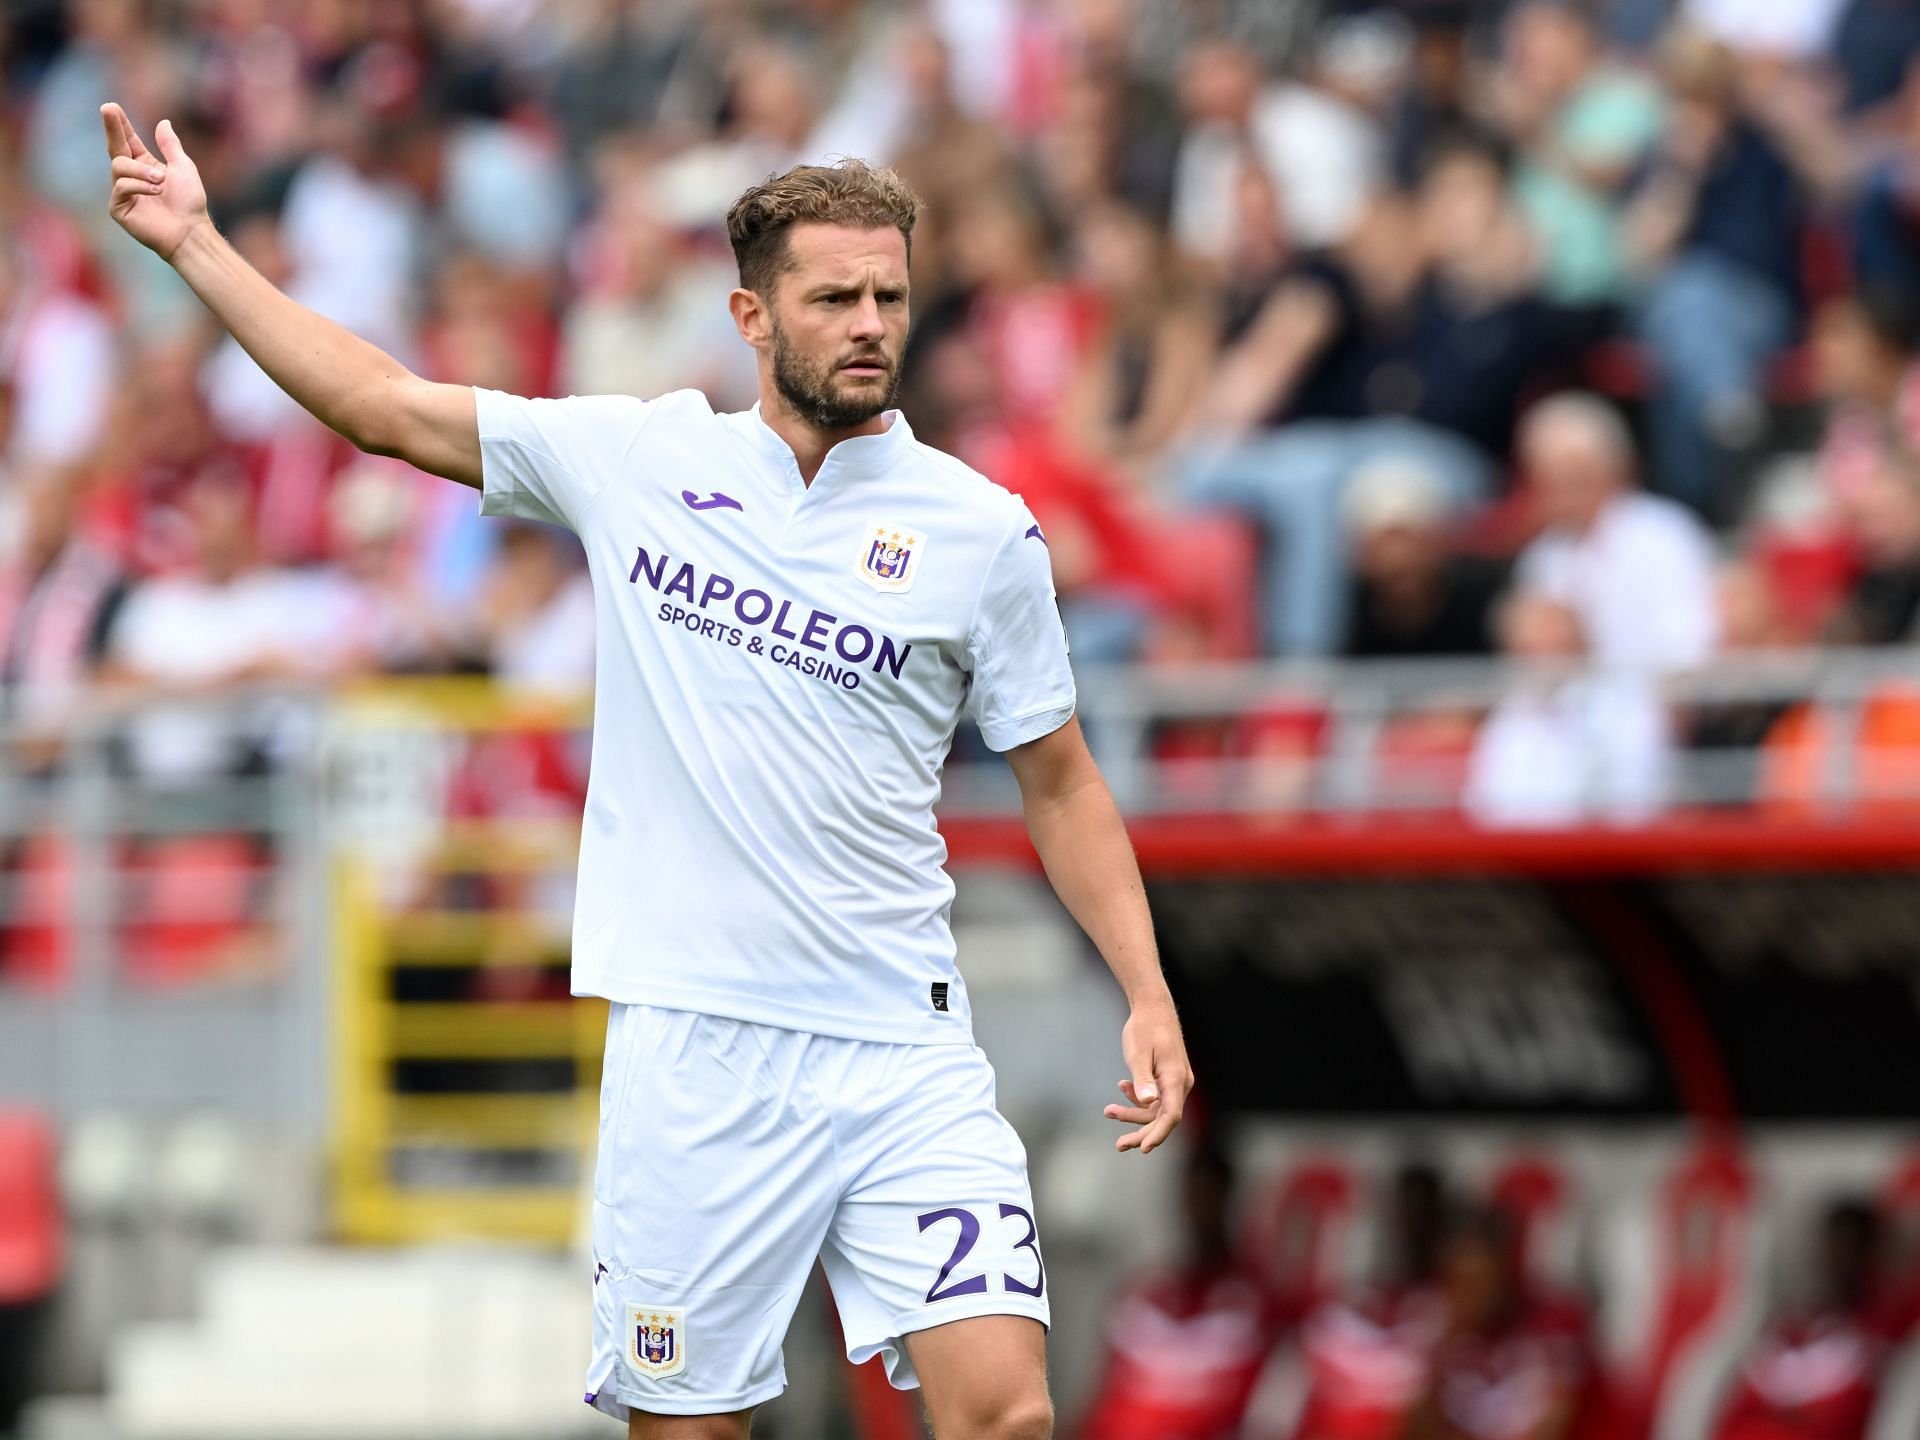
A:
x,y
157,199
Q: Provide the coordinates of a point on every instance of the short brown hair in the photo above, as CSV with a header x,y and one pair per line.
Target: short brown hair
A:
x,y
850,192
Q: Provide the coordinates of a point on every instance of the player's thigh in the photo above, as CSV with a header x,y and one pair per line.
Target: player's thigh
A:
x,y
689,1427
713,1191
937,1223
984,1378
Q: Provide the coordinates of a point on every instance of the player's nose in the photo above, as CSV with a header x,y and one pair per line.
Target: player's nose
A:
x,y
867,324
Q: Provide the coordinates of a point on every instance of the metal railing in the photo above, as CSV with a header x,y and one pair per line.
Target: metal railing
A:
x,y
366,776
1348,713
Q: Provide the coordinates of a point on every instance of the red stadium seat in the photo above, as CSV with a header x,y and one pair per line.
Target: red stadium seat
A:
x,y
1208,565
1885,765
32,1235
1704,1219
190,901
36,940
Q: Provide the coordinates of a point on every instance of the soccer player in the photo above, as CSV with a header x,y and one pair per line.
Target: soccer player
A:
x,y
794,607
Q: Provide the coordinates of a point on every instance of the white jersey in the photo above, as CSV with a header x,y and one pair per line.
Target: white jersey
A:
x,y
779,671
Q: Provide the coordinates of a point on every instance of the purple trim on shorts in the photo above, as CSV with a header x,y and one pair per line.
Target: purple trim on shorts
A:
x,y
592,1395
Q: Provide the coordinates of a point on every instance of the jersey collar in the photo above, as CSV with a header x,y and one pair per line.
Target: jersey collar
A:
x,y
859,454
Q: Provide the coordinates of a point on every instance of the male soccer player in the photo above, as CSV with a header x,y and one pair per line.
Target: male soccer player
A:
x,y
794,606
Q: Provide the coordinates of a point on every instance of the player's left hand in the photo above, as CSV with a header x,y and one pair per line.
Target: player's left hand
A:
x,y
1156,1092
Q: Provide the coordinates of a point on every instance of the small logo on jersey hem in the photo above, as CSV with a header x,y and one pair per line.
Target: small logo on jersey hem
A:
x,y
890,555
940,995
715,501
656,1340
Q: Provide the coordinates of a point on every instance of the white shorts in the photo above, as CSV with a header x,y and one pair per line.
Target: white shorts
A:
x,y
732,1154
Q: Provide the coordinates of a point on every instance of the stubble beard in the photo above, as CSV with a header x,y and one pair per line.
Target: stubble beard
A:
x,y
809,387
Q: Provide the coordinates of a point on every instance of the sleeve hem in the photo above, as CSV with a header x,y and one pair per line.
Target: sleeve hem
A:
x,y
1003,735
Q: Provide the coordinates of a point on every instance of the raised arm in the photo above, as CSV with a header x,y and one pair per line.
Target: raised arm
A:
x,y
352,387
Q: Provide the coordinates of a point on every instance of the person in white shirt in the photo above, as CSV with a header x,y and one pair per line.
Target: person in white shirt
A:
x,y
1566,745
794,605
1637,569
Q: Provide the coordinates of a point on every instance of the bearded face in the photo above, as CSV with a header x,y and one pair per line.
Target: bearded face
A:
x,y
836,323
839,390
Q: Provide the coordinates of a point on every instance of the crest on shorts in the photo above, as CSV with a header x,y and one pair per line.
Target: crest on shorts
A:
x,y
890,555
656,1340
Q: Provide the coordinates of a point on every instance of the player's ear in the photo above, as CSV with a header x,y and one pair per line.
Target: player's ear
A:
x,y
751,318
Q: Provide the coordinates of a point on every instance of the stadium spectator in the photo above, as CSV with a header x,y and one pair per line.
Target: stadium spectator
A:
x,y
1863,348
650,314
58,359
60,594
370,609
1885,250
1411,594
1147,362
1716,227
948,154
1728,734
226,621
1367,1356
162,439
1637,570
1325,377
1581,124
1874,43
1884,514
1435,106
527,627
1566,745
1509,1365
1185,1348
1815,1373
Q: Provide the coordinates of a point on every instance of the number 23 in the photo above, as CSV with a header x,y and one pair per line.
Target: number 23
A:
x,y
969,1237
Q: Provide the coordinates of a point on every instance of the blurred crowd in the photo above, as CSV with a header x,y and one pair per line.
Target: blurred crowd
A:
x,y
1307,328
1468,1323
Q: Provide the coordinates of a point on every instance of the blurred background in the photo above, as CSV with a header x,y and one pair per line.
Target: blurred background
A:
x,y
1480,449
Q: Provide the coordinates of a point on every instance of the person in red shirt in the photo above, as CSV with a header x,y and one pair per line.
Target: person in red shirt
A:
x,y
1185,1348
1367,1356
1815,1373
1510,1365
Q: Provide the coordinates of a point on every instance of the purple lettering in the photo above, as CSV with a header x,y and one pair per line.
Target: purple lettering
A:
x,y
849,680
780,621
682,582
764,600
817,624
889,657
866,643
718,587
652,572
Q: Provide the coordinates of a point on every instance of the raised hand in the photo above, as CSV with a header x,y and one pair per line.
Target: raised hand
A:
x,y
157,199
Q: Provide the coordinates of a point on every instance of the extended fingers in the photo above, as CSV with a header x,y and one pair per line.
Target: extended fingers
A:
x,y
121,138
1157,1120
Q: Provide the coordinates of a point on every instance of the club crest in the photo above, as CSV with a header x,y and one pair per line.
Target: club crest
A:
x,y
656,1340
890,555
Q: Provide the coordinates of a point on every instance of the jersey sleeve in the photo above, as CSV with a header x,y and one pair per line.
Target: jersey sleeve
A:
x,y
1017,647
548,459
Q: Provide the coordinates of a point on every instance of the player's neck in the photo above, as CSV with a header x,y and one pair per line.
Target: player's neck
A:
x,y
809,442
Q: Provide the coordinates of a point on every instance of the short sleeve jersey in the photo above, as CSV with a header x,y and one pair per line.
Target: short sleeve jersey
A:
x,y
779,671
